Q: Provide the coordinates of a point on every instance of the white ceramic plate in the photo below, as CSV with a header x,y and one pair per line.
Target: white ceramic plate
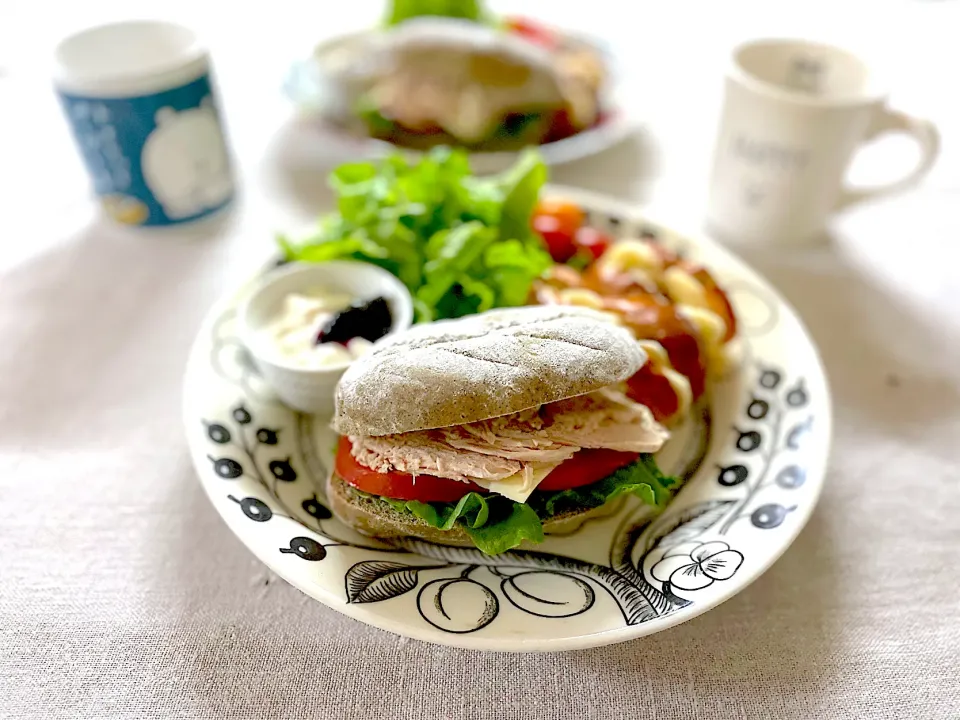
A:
x,y
306,89
616,578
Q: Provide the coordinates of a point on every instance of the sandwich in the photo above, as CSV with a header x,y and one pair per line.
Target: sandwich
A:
x,y
491,430
442,81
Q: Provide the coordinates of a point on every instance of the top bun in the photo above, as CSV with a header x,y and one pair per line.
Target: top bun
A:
x,y
453,372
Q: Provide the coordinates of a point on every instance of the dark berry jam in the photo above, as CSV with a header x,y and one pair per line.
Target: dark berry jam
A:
x,y
368,319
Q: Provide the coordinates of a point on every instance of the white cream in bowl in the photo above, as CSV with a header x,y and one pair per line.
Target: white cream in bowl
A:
x,y
281,318
293,332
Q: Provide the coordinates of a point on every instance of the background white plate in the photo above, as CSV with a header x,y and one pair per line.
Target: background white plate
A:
x,y
617,578
305,87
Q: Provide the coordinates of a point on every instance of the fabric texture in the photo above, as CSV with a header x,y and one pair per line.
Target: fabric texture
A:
x,y
123,595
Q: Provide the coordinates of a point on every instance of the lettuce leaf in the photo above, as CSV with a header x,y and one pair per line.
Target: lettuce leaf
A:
x,y
641,478
400,10
472,509
497,524
456,250
460,243
521,187
507,532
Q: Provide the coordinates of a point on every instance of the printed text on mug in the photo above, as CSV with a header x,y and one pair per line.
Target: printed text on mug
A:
x,y
766,154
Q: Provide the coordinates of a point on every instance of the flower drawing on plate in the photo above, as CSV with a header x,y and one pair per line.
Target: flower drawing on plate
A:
x,y
655,562
694,566
749,460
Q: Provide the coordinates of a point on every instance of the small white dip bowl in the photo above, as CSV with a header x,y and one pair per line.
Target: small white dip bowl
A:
x,y
311,390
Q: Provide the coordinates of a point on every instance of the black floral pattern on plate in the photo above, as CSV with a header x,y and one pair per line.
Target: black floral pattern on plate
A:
x,y
655,565
778,430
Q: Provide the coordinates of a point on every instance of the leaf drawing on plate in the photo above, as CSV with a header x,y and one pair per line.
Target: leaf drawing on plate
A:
x,y
691,523
377,580
625,540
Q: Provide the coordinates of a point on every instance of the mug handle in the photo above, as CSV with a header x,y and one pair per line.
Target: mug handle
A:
x,y
926,135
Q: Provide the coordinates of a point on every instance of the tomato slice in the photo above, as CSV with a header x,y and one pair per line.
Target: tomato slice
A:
x,y
397,485
585,468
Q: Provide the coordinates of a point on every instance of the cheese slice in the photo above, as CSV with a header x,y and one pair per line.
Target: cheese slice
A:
x,y
515,487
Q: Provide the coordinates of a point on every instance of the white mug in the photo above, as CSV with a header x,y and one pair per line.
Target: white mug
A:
x,y
794,114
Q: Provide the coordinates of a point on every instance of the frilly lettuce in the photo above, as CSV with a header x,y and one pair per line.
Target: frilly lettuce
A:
x,y
641,478
461,244
400,10
497,524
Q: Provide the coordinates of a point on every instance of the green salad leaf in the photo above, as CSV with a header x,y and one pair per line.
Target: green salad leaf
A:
x,y
508,531
641,478
472,509
454,253
497,524
400,10
520,186
460,243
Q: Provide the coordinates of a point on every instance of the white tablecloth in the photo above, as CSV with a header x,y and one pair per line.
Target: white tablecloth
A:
x,y
122,594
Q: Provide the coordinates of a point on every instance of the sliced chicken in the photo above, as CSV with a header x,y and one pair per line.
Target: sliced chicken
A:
x,y
495,449
515,436
605,419
422,453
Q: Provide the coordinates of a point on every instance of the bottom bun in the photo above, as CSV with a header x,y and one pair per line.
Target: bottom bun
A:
x,y
368,516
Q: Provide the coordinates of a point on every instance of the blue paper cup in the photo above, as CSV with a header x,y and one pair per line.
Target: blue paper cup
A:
x,y
140,101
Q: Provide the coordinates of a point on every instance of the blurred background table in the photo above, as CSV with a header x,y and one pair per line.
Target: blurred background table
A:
x,y
123,595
